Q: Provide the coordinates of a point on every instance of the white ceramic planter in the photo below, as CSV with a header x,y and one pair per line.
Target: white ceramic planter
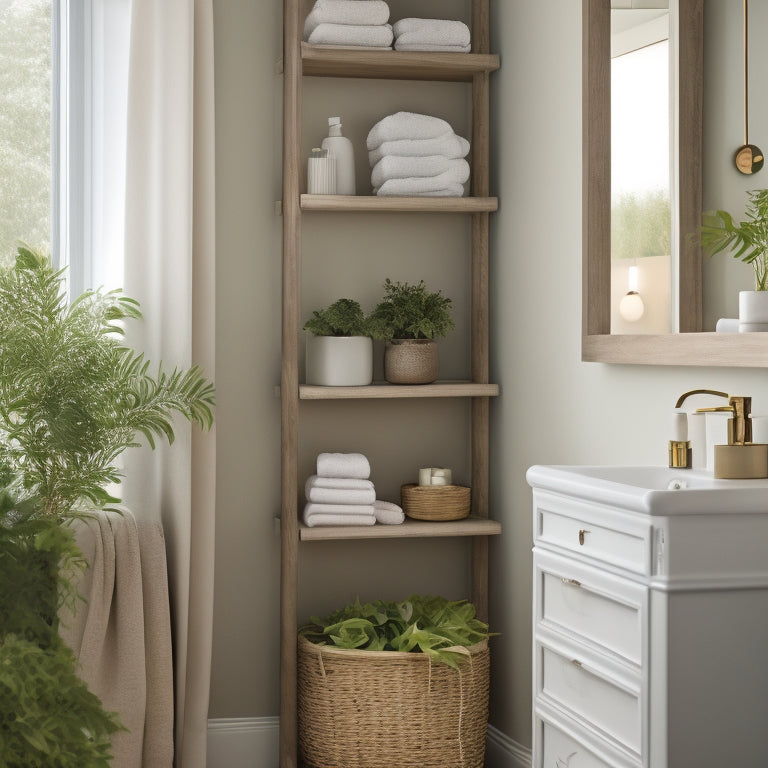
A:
x,y
339,361
753,311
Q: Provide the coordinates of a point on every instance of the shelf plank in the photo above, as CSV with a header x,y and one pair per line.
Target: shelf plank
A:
x,y
410,529
382,391
342,61
375,204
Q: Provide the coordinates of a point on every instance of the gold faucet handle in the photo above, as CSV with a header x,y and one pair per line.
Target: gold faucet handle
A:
x,y
740,426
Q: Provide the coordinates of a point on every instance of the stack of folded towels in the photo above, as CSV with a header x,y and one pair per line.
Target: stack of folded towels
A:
x,y
432,35
359,23
342,494
412,154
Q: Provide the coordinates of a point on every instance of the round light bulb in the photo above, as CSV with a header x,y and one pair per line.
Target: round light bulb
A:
x,y
631,307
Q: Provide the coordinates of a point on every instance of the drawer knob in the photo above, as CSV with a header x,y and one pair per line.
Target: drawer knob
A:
x,y
582,534
571,582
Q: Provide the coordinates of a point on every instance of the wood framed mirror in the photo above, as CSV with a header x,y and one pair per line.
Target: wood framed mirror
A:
x,y
687,345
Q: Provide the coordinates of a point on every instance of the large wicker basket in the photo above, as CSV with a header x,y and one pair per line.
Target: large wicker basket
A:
x,y
385,709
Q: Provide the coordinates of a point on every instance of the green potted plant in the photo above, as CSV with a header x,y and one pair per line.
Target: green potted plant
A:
x,y
747,241
418,670
409,318
339,349
73,397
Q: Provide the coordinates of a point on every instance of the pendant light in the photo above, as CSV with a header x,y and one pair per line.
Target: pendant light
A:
x,y
749,158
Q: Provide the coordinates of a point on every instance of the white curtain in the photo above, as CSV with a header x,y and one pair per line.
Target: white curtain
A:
x,y
169,268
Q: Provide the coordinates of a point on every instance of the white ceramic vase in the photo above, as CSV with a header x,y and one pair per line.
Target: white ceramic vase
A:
x,y
339,361
753,311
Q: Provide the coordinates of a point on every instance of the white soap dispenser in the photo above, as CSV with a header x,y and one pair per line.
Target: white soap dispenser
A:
x,y
341,148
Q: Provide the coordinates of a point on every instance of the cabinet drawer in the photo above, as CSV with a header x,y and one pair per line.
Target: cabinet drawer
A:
x,y
595,607
558,750
611,706
603,535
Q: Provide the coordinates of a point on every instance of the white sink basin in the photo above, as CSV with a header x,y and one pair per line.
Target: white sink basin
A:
x,y
653,490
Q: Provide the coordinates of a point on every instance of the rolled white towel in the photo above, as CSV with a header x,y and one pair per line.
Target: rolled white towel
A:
x,y
388,513
390,168
343,483
338,514
448,145
357,35
454,190
356,12
349,465
431,47
432,32
338,495
424,185
406,125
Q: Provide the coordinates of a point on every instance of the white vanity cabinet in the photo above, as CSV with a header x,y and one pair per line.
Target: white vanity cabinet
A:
x,y
650,639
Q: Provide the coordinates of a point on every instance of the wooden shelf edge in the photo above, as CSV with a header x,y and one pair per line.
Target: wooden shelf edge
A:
x,y
410,529
344,61
744,350
399,391
376,204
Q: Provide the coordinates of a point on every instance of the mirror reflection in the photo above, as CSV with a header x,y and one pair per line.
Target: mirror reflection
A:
x,y
643,260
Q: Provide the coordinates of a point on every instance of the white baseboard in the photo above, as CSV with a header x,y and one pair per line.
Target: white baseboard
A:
x,y
244,742
503,752
253,742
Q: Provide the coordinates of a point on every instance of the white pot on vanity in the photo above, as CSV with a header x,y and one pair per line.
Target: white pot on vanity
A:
x,y
753,311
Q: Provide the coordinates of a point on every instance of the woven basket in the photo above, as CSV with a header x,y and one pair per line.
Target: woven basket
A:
x,y
411,361
435,502
385,709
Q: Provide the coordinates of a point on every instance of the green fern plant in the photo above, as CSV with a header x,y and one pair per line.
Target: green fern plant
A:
x,y
73,397
411,312
344,317
748,241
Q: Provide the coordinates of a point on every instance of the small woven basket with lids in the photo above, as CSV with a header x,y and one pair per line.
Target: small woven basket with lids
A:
x,y
387,709
435,502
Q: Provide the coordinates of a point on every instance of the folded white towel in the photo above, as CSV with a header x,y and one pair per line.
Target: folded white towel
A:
x,y
357,12
357,35
338,495
397,167
406,125
448,145
423,185
442,170
348,465
344,483
393,190
400,45
338,514
388,513
432,32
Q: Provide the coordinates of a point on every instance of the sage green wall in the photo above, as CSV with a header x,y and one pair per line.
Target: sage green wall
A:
x,y
553,408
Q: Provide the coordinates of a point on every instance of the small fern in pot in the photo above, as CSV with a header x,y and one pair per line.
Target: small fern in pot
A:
x,y
339,349
409,318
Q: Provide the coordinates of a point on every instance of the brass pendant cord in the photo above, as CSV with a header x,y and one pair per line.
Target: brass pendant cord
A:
x,y
746,73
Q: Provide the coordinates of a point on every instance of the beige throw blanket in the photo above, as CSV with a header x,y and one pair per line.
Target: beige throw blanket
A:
x,y
122,634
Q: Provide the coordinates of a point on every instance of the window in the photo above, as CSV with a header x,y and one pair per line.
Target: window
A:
x,y
26,114
63,86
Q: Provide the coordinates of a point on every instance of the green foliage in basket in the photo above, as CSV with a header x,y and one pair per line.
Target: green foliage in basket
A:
x,y
344,317
442,629
411,312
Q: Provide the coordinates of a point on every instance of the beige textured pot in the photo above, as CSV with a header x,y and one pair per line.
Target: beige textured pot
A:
x,y
410,361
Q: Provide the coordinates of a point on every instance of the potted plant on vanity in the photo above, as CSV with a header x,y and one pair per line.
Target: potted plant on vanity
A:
x,y
72,398
747,241
339,349
409,318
